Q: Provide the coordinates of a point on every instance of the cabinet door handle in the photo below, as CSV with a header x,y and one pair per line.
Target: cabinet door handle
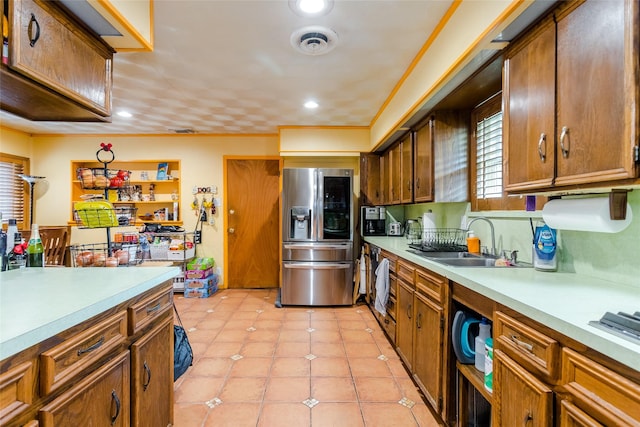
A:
x,y
418,183
154,308
33,39
91,348
516,339
542,142
527,418
115,400
564,135
419,321
147,371
409,311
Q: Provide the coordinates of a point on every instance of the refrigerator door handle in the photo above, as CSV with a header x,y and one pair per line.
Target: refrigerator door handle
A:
x,y
317,247
317,266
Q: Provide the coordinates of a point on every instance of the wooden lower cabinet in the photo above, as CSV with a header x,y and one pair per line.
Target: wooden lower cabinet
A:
x,y
404,323
572,416
100,399
428,349
152,377
519,398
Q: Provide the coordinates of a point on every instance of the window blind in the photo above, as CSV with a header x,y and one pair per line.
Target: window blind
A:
x,y
489,157
12,188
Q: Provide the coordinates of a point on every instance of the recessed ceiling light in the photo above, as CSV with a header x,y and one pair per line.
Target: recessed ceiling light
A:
x,y
124,114
311,104
311,7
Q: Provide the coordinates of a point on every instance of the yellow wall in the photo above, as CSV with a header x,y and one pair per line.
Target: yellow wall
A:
x,y
15,142
201,164
323,141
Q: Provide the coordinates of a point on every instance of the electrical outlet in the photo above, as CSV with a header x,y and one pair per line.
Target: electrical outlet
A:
x,y
197,237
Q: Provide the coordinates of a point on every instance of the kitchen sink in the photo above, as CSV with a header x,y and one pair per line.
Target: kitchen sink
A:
x,y
468,262
464,259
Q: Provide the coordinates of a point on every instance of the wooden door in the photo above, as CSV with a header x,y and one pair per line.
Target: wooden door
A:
x,y
427,358
423,164
252,213
529,112
518,397
404,319
597,85
406,174
152,377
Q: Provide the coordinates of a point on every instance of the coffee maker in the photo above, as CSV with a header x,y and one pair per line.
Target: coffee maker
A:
x,y
372,221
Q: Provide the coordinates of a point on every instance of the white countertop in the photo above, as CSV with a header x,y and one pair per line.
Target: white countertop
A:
x,y
565,302
36,304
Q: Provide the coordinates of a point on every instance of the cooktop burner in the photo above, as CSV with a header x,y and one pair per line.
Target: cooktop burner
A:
x,y
624,325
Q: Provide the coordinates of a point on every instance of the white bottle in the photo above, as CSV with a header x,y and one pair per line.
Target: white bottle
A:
x,y
12,229
479,347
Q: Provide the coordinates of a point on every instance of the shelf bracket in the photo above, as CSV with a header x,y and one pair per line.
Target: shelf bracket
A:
x,y
618,204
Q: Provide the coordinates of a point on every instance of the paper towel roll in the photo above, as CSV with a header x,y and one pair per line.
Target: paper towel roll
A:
x,y
428,220
584,214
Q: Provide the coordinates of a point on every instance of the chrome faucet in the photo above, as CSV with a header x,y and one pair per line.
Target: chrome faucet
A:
x,y
493,234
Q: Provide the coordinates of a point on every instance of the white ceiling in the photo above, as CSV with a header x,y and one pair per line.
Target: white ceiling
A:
x,y
227,67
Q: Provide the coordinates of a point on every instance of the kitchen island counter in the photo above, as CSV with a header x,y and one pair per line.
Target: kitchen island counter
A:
x,y
36,304
563,301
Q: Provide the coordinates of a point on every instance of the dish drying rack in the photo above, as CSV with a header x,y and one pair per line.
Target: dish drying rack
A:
x,y
439,239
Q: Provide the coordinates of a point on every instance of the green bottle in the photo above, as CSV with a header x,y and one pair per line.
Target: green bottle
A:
x,y
35,249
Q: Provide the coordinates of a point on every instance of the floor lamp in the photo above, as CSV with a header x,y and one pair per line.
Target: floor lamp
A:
x,y
31,179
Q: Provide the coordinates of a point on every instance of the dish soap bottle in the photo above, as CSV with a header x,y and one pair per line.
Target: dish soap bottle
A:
x,y
35,249
473,243
479,344
544,248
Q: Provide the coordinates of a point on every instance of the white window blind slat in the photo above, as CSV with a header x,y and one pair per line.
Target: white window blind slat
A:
x,y
489,157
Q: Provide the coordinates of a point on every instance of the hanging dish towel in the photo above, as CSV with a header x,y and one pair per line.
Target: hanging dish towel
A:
x,y
382,286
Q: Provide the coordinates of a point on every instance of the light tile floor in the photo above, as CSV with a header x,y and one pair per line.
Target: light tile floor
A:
x,y
259,365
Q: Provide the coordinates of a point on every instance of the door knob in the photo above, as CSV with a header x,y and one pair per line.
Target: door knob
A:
x,y
231,211
231,230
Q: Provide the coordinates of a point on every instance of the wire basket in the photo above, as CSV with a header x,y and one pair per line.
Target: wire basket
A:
x,y
443,237
98,217
104,255
101,178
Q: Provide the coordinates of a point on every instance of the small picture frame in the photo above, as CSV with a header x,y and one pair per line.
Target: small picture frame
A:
x,y
163,171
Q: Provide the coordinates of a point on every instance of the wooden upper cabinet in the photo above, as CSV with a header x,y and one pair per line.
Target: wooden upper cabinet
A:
x,y
406,172
371,179
395,175
582,72
529,105
56,69
423,163
597,87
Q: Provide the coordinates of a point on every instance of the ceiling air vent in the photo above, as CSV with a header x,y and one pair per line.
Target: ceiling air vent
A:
x,y
314,40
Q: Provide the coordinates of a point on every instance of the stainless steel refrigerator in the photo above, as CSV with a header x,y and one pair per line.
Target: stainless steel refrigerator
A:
x,y
317,236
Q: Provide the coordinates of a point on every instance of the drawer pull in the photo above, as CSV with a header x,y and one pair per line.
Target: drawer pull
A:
x,y
92,347
33,39
116,400
521,343
147,371
154,308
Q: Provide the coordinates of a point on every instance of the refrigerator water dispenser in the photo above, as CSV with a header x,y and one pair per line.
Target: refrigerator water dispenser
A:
x,y
300,223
